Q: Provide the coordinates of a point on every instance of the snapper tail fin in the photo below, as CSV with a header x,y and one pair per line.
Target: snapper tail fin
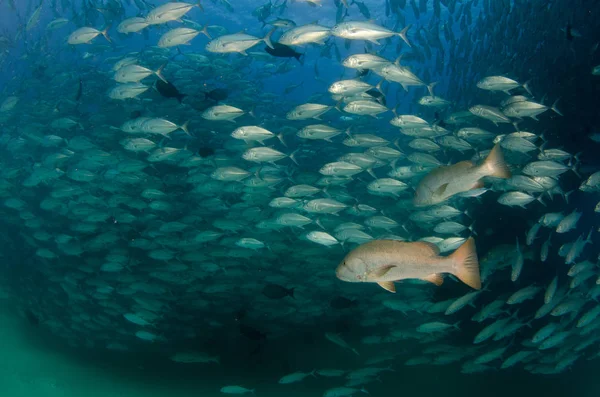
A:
x,y
496,165
466,264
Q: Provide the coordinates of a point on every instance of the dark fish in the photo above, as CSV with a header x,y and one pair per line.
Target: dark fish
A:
x,y
363,9
135,114
339,302
32,318
252,333
205,152
39,72
377,95
439,120
274,291
281,8
228,6
263,12
168,90
79,91
292,87
283,51
569,32
218,94
240,314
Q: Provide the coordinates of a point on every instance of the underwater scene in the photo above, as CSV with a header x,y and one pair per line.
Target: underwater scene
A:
x,y
324,198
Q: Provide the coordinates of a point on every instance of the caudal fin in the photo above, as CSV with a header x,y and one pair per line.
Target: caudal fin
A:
x,y
158,73
267,39
495,164
466,265
404,35
105,34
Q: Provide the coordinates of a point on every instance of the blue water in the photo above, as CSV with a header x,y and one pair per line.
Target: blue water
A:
x,y
106,270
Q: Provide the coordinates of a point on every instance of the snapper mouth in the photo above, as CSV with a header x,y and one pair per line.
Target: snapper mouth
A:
x,y
343,274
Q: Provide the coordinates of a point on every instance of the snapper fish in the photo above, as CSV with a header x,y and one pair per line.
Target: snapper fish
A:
x,y
386,261
446,181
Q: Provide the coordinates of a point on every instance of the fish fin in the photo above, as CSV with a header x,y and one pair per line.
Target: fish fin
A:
x,y
105,34
379,272
555,109
526,87
496,165
244,53
267,39
430,247
435,278
439,192
430,87
184,127
466,264
158,73
204,31
403,34
388,286
477,185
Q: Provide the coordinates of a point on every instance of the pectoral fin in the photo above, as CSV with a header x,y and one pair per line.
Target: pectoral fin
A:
x,y
379,272
439,192
388,285
435,278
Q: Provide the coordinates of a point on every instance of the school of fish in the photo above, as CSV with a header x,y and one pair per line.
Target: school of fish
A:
x,y
173,171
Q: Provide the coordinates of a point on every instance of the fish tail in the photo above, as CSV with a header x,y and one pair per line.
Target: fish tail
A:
x,y
496,165
555,109
430,87
466,264
267,39
403,35
105,34
204,31
158,73
184,127
527,88
280,137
